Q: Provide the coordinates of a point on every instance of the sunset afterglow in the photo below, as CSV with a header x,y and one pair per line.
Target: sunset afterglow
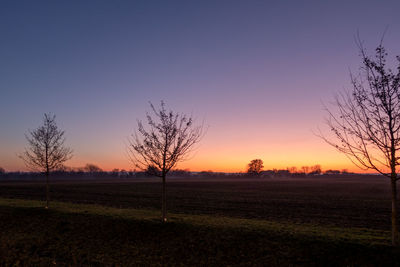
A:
x,y
199,133
258,88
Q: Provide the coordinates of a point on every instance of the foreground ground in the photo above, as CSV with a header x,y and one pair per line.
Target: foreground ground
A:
x,y
79,235
344,201
212,222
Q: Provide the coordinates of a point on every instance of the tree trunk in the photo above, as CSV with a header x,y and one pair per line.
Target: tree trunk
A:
x,y
164,200
395,234
47,190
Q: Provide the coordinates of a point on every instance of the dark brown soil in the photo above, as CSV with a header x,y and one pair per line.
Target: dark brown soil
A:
x,y
344,201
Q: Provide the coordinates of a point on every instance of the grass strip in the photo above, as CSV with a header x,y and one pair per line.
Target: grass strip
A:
x,y
362,236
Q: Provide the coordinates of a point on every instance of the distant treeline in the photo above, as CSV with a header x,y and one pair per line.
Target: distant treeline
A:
x,y
95,172
290,172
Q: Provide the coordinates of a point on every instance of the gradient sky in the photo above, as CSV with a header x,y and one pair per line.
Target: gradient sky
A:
x,y
256,72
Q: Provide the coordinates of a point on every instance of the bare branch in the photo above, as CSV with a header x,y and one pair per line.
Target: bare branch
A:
x,y
168,139
46,150
365,124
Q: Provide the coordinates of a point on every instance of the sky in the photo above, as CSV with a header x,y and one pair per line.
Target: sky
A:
x,y
256,72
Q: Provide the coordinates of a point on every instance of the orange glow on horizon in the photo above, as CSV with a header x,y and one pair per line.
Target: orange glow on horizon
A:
x,y
224,163
218,153
228,166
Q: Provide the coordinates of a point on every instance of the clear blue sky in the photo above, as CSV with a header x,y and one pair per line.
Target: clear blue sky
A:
x,y
255,71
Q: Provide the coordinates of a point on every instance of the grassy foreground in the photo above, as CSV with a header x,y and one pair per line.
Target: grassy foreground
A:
x,y
78,234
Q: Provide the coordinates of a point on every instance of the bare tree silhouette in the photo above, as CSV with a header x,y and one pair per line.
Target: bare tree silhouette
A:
x,y
366,122
169,139
92,168
305,169
316,169
46,151
255,167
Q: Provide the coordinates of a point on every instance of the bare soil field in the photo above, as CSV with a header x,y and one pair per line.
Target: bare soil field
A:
x,y
344,201
71,234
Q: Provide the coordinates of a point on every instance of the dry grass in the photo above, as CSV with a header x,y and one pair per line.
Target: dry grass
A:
x,y
81,234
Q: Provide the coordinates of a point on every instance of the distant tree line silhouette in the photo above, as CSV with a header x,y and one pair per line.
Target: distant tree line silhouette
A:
x,y
81,174
294,172
255,168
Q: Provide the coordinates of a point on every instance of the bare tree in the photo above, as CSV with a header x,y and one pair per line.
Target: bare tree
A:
x,y
92,168
46,151
255,167
168,139
305,169
366,122
2,170
316,169
292,170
